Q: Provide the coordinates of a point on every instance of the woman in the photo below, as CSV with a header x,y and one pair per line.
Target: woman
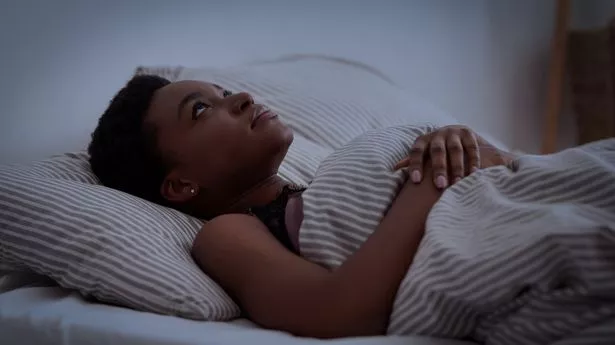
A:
x,y
198,148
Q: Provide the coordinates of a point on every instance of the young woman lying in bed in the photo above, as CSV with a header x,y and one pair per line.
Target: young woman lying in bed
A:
x,y
198,148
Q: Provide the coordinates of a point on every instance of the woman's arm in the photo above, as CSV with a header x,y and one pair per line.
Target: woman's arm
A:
x,y
280,290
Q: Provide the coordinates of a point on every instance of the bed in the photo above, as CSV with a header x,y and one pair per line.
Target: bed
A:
x,y
52,315
35,310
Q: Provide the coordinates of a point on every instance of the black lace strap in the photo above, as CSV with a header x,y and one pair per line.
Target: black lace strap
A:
x,y
273,215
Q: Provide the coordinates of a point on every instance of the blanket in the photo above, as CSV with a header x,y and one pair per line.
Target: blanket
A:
x,y
519,254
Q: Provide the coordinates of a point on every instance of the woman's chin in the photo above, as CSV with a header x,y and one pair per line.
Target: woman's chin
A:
x,y
289,136
284,136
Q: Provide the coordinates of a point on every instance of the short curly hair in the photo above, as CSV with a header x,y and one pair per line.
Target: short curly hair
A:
x,y
124,153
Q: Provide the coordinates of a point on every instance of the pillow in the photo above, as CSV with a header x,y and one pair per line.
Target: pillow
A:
x,y
58,221
328,101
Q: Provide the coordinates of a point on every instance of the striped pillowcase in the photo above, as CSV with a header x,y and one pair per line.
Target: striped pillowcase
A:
x,y
313,97
57,221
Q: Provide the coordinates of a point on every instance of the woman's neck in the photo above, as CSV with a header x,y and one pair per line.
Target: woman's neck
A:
x,y
260,194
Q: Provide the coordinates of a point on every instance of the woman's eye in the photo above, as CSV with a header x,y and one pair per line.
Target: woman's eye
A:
x,y
198,108
226,93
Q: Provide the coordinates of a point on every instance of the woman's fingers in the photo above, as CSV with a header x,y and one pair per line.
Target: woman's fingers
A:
x,y
437,152
415,163
454,147
470,145
415,160
455,156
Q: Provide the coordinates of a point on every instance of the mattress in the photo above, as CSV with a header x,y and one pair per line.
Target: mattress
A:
x,y
53,315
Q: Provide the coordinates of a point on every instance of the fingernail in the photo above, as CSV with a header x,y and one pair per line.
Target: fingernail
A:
x,y
416,176
457,179
441,182
474,169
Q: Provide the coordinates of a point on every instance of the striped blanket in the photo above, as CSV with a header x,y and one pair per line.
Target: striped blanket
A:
x,y
511,255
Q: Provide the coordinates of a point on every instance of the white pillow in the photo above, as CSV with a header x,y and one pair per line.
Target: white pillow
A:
x,y
327,100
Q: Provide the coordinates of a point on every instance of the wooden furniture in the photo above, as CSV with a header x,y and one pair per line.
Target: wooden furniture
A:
x,y
587,58
591,70
556,77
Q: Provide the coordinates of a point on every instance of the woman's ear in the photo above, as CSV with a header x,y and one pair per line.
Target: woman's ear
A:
x,y
178,190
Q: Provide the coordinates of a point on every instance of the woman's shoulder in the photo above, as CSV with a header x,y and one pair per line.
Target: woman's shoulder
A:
x,y
229,232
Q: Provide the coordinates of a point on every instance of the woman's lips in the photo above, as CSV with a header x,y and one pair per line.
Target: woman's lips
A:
x,y
263,116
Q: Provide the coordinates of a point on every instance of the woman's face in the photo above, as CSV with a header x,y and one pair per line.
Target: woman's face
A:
x,y
219,144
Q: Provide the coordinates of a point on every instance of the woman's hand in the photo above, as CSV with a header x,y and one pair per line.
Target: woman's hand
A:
x,y
452,150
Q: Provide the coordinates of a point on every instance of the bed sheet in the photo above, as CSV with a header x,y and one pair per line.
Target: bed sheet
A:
x,y
52,315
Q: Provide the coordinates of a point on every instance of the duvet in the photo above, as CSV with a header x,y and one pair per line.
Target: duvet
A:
x,y
519,254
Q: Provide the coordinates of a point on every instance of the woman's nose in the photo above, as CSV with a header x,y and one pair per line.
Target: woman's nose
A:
x,y
241,102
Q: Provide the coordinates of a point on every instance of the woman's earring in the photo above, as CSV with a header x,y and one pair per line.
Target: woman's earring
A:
x,y
192,191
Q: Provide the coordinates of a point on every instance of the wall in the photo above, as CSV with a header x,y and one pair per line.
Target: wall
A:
x,y
482,61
